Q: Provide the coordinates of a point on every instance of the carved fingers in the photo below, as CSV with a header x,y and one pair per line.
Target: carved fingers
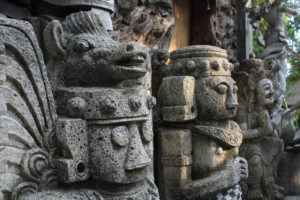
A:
x,y
243,167
153,191
265,124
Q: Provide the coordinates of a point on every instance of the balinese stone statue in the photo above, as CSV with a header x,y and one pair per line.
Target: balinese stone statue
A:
x,y
199,141
272,12
100,145
274,56
275,52
262,146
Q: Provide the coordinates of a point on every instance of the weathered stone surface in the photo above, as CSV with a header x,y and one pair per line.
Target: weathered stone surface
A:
x,y
149,22
262,146
73,141
27,113
101,147
105,103
275,52
178,98
201,155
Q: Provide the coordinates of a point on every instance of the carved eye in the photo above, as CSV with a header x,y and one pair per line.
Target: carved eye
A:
x,y
267,87
81,46
120,136
147,133
235,89
221,88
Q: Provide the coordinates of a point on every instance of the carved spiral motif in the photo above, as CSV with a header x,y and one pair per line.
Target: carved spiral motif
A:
x,y
35,162
24,188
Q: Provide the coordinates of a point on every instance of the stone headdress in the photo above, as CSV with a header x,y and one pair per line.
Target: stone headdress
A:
x,y
104,4
83,22
251,71
199,61
188,64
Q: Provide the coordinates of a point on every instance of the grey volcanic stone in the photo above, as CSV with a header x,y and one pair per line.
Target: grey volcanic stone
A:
x,y
199,149
100,146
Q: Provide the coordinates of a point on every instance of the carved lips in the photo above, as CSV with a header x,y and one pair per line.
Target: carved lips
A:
x,y
134,62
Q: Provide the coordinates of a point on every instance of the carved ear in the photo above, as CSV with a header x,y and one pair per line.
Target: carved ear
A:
x,y
53,39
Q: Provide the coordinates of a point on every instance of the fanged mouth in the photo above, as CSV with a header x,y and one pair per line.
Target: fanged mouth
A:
x,y
133,62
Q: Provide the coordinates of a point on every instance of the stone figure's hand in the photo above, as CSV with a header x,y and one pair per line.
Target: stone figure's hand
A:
x,y
265,125
153,191
242,166
251,134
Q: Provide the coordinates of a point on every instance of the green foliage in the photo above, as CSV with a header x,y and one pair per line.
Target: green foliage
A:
x,y
294,74
257,2
292,28
257,49
296,118
292,24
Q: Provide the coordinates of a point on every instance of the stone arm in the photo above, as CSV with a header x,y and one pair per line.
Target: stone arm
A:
x,y
264,127
286,9
232,173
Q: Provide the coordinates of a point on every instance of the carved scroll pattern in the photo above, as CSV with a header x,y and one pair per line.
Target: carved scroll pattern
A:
x,y
27,113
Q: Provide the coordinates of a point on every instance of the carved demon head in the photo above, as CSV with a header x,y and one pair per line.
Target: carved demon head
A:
x,y
90,56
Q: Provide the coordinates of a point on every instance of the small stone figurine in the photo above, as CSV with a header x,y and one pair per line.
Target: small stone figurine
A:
x,y
199,141
262,146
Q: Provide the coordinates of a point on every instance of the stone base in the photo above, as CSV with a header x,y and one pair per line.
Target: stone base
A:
x,y
289,173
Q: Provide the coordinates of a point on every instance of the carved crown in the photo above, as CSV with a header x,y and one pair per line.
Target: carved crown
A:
x,y
199,61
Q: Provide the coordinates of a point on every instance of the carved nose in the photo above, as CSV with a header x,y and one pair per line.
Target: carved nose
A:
x,y
272,91
136,157
231,102
129,47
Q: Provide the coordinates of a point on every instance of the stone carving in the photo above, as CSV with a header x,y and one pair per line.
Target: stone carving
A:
x,y
199,141
103,132
205,33
262,146
27,114
274,56
149,22
274,42
104,8
227,33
